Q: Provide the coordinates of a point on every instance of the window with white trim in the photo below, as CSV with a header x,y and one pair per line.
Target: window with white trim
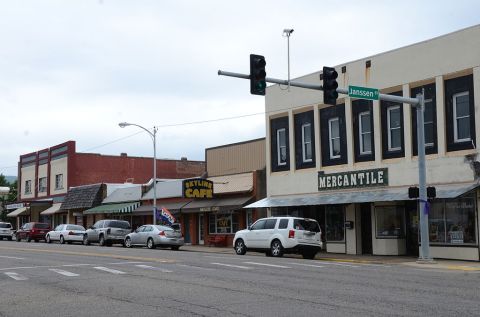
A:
x,y
461,117
59,181
307,142
334,137
28,187
281,146
364,132
223,223
394,128
429,125
42,184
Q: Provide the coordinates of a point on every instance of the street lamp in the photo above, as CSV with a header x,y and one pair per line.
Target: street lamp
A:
x,y
153,135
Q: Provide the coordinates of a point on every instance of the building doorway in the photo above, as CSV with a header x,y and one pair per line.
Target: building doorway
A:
x,y
366,227
186,221
411,236
201,229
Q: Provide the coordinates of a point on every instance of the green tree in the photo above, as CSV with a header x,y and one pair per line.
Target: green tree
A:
x,y
12,196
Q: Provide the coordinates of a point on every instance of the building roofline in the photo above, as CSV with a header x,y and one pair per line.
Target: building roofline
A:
x,y
237,143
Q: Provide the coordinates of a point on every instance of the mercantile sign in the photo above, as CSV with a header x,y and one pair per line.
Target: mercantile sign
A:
x,y
354,179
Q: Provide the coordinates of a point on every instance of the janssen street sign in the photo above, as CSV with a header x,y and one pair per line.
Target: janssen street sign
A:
x,y
363,93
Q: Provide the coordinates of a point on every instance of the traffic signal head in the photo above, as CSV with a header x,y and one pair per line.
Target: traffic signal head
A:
x,y
413,192
257,75
330,86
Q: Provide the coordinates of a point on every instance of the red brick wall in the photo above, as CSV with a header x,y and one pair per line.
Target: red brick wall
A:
x,y
95,168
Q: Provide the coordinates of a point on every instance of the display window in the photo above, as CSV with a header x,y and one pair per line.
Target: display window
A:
x,y
222,223
389,221
335,220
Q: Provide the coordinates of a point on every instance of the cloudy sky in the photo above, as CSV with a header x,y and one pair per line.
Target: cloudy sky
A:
x,y
74,69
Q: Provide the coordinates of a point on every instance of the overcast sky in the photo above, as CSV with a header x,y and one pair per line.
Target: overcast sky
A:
x,y
74,69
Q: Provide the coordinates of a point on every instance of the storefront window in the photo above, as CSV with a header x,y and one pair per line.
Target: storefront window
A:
x,y
452,221
222,223
390,221
335,219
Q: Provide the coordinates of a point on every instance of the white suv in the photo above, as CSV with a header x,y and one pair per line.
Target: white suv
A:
x,y
6,231
278,235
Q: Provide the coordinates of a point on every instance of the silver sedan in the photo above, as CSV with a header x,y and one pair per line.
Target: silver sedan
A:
x,y
154,236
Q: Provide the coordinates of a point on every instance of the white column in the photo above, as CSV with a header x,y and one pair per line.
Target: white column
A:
x,y
291,142
476,96
441,124
407,124
316,123
377,128
349,128
268,144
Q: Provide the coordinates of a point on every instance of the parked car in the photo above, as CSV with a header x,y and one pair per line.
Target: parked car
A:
x,y
153,236
106,232
66,233
278,235
32,231
6,231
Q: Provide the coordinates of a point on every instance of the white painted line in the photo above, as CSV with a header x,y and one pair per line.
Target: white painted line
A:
x,y
16,276
106,269
153,268
231,265
309,265
195,267
131,262
338,264
65,273
270,265
11,257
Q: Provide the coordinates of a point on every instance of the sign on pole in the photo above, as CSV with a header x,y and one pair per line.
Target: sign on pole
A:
x,y
363,93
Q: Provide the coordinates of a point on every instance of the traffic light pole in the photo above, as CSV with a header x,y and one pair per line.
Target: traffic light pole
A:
x,y
419,104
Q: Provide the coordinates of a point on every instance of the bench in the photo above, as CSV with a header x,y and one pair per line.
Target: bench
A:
x,y
217,240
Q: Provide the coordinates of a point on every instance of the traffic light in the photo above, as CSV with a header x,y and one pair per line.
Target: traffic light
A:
x,y
431,192
257,75
330,86
413,192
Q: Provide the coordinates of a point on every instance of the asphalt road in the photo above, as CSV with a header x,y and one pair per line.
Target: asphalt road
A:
x,y
38,279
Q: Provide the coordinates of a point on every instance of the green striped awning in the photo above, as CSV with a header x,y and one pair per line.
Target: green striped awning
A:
x,y
122,208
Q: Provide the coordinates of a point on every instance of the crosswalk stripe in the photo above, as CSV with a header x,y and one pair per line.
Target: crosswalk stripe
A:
x,y
65,273
106,269
231,265
16,276
270,265
153,268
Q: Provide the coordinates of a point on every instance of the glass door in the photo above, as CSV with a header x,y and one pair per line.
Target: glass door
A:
x,y
201,229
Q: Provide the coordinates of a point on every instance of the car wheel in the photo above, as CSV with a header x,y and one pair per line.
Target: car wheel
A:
x,y
127,243
276,248
150,243
29,239
62,240
85,240
309,255
240,247
47,239
175,248
101,240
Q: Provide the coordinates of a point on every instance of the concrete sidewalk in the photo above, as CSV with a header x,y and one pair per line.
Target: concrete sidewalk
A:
x,y
440,264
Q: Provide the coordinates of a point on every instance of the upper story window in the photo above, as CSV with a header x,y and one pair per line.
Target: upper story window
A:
x,y
42,184
363,132
59,181
459,113
279,144
429,119
334,137
394,128
307,142
28,187
304,140
461,117
281,147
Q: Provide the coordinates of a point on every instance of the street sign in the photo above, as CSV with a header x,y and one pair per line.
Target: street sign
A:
x,y
363,93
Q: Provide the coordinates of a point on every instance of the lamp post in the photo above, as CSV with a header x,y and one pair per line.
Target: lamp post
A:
x,y
153,135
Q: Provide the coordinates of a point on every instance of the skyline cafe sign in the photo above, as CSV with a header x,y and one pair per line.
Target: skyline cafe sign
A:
x,y
354,179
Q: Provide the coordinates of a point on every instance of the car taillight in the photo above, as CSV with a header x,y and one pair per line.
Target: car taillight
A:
x,y
108,231
291,234
71,233
162,233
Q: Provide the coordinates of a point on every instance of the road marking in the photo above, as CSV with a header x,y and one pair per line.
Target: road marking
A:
x,y
195,267
309,265
231,265
270,265
16,276
129,262
11,257
339,264
65,273
106,269
153,268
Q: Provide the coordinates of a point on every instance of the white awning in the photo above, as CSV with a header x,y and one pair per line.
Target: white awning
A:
x,y
52,210
18,212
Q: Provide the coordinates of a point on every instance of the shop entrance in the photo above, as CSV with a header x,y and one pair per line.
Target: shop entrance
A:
x,y
200,229
366,228
411,215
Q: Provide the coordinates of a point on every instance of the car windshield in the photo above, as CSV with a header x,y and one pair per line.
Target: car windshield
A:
x,y
42,226
304,224
5,225
119,224
75,227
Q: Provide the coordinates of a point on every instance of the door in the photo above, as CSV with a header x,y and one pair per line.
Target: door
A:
x,y
366,227
253,236
411,214
201,229
136,237
186,220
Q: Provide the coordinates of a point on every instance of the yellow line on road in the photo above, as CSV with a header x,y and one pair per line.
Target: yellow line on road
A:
x,y
114,256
